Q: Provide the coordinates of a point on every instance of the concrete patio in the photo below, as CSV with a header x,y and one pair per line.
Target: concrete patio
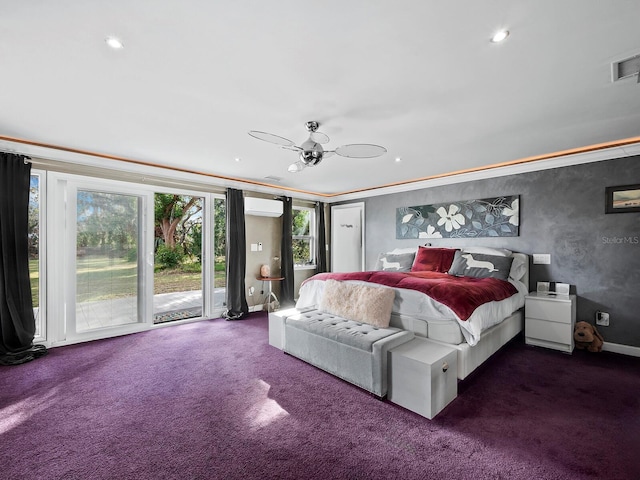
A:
x,y
121,311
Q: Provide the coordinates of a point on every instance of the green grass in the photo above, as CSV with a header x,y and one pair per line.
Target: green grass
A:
x,y
34,276
104,278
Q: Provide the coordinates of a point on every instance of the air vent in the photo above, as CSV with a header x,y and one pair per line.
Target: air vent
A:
x,y
625,68
273,178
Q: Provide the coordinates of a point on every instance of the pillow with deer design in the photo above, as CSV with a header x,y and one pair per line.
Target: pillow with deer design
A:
x,y
480,265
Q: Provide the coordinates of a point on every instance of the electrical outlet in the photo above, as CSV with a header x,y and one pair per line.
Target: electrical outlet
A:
x,y
251,291
602,319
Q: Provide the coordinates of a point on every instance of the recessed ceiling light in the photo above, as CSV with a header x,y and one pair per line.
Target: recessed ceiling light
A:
x,y
499,36
114,43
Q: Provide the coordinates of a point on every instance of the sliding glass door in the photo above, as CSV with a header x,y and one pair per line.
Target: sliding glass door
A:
x,y
124,257
100,257
107,266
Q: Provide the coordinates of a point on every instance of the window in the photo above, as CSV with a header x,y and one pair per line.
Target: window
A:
x,y
303,237
36,192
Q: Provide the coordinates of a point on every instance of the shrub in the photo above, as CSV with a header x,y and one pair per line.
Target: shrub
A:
x,y
169,257
131,255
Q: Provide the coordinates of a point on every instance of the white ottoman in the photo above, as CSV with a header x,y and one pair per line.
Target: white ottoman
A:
x,y
423,376
276,326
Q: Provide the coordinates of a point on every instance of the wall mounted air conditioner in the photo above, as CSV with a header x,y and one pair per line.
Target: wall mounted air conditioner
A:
x,y
262,207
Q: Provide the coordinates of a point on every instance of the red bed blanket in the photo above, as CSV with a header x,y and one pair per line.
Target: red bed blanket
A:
x,y
461,294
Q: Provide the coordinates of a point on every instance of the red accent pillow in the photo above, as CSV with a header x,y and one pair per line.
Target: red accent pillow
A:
x,y
433,259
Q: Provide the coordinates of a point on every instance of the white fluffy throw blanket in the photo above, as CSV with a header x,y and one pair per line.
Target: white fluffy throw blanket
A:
x,y
361,303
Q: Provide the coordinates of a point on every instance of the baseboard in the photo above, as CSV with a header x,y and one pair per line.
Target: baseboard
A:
x,y
623,349
256,308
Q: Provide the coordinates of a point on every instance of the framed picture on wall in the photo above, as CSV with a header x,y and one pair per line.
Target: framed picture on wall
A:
x,y
622,199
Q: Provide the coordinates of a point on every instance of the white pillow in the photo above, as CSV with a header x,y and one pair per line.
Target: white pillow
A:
x,y
518,268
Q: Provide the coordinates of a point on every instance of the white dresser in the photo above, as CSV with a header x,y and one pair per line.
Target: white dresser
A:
x,y
549,320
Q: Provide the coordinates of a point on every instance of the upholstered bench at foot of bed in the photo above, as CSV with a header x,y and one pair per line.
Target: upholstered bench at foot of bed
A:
x,y
353,351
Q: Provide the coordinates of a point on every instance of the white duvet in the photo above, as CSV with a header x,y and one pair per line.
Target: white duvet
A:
x,y
416,304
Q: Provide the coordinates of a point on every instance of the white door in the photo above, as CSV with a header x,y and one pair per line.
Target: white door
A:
x,y
347,237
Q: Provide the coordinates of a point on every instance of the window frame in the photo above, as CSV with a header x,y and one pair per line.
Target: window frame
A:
x,y
41,324
312,237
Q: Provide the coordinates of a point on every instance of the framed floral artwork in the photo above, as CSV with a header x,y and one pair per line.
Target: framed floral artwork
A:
x,y
487,217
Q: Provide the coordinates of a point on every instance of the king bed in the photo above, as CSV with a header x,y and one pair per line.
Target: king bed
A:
x,y
470,299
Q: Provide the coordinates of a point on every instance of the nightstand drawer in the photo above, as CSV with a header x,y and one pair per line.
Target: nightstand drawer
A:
x,y
554,311
550,331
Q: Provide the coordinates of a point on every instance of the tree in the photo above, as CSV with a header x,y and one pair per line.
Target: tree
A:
x,y
108,221
173,210
301,230
34,217
220,227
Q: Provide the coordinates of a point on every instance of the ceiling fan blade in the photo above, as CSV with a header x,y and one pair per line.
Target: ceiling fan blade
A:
x,y
295,148
271,138
360,150
319,137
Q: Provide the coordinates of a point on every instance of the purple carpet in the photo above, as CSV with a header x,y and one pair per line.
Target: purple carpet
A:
x,y
213,400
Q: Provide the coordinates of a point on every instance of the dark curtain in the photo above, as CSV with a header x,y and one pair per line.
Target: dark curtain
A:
x,y
17,323
286,254
321,243
236,256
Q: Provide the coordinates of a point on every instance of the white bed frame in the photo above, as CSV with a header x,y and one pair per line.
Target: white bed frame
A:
x,y
491,340
470,358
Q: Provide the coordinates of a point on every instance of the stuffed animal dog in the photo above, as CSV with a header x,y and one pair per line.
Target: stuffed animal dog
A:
x,y
586,336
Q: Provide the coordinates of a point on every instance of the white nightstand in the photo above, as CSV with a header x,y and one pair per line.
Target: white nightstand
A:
x,y
549,320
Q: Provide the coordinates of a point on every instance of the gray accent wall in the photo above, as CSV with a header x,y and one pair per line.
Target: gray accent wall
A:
x,y
562,214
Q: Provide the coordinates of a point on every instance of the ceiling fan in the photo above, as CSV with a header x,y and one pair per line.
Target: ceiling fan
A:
x,y
311,152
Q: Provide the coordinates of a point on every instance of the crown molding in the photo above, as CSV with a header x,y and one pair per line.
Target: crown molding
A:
x,y
498,171
144,172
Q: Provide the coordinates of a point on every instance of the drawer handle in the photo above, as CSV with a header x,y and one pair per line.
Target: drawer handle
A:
x,y
445,366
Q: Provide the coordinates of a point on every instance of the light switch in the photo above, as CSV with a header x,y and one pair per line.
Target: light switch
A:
x,y
542,258
254,247
260,246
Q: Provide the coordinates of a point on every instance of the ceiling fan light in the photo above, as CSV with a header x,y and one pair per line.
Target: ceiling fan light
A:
x,y
296,167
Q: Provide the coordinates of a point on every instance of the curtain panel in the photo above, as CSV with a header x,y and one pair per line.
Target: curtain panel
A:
x,y
17,322
286,254
236,298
